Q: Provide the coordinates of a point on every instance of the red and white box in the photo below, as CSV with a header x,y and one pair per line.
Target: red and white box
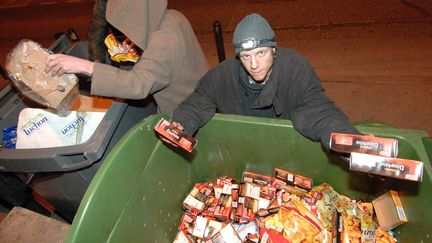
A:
x,y
175,135
195,201
347,143
259,179
386,166
227,234
187,222
293,179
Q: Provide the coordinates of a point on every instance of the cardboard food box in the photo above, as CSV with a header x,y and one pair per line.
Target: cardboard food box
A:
x,y
347,143
385,166
256,178
389,210
195,201
293,179
175,135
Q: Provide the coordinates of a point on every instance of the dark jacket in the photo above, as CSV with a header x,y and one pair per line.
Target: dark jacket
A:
x,y
293,91
97,32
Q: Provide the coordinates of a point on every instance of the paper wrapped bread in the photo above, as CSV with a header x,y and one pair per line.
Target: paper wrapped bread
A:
x,y
26,67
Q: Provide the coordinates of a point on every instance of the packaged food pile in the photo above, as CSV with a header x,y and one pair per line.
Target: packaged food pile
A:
x,y
282,208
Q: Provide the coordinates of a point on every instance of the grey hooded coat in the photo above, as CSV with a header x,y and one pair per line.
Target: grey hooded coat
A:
x,y
172,61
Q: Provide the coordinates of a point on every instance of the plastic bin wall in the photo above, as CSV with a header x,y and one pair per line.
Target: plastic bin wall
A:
x,y
62,174
137,194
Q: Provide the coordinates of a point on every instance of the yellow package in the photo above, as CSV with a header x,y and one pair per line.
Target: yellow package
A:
x,y
121,52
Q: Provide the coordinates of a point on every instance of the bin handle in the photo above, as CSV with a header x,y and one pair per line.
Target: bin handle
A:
x,y
30,177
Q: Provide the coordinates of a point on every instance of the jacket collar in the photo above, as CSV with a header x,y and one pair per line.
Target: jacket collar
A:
x,y
267,96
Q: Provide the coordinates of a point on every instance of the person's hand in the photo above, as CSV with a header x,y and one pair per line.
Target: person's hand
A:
x,y
178,125
59,64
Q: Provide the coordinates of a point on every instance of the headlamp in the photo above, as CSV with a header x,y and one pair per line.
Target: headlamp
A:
x,y
252,43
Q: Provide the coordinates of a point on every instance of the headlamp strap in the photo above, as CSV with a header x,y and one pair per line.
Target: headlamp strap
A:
x,y
251,43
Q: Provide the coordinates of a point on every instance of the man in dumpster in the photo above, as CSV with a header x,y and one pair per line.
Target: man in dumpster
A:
x,y
168,60
264,81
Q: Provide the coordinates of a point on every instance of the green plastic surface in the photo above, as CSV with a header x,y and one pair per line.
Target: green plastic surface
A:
x,y
137,194
428,146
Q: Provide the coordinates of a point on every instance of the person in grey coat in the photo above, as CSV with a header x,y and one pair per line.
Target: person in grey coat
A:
x,y
263,80
169,68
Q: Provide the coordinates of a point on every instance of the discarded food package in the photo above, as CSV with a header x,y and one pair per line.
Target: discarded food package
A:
x,y
385,166
252,214
26,68
293,179
38,128
121,51
347,143
175,135
389,210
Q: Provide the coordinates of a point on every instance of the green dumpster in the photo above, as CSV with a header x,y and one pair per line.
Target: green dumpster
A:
x,y
137,194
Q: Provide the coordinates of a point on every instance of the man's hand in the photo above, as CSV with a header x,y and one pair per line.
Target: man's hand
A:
x,y
178,125
59,64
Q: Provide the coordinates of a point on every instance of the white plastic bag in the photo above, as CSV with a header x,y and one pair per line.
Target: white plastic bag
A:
x,y
38,128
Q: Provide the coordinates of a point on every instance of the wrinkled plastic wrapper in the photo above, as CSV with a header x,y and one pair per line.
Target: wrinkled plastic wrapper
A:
x,y
10,137
26,68
293,225
121,51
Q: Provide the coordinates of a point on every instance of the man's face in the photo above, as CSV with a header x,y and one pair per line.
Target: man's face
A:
x,y
258,62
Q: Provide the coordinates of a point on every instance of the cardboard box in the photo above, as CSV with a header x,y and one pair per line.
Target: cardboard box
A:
x,y
175,135
222,211
227,234
293,179
187,222
184,237
247,204
389,210
196,200
347,143
259,179
385,166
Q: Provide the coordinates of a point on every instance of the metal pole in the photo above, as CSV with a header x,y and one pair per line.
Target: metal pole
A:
x,y
217,29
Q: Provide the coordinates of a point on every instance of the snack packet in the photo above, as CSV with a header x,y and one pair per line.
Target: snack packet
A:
x,y
351,231
293,225
121,51
366,223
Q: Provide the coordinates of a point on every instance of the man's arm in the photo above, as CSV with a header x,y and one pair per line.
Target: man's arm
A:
x,y
198,108
59,64
316,115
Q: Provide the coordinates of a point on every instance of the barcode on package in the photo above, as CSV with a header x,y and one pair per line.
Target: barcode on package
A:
x,y
401,213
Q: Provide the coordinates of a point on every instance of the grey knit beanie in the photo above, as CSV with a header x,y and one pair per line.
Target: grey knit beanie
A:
x,y
253,31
